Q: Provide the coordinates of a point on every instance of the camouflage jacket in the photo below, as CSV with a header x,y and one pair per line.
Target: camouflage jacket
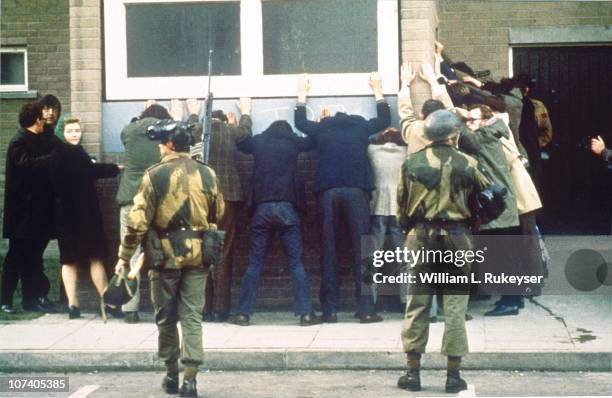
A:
x,y
435,185
177,193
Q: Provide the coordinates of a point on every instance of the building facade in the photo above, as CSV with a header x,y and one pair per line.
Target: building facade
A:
x,y
103,59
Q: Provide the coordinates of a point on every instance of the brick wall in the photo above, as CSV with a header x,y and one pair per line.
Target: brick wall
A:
x,y
478,31
418,23
418,33
41,27
86,70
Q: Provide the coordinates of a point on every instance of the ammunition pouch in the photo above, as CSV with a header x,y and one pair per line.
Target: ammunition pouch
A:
x,y
211,243
154,257
212,246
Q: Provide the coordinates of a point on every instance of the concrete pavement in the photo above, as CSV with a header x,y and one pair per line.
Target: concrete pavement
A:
x,y
568,333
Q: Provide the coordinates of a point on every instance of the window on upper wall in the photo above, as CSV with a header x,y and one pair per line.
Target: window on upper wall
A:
x,y
159,48
173,39
14,69
344,40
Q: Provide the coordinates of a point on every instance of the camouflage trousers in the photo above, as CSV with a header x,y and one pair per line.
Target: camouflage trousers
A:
x,y
178,296
415,329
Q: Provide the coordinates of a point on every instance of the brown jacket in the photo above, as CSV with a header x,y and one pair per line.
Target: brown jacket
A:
x,y
223,152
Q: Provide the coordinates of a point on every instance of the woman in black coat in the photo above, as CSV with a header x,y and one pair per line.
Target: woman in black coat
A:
x,y
78,217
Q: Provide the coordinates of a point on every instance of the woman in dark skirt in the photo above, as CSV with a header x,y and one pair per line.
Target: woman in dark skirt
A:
x,y
79,220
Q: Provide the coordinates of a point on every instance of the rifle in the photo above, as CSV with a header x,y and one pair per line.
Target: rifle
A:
x,y
207,130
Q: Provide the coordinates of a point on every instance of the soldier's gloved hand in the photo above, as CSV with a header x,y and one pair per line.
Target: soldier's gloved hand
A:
x,y
122,267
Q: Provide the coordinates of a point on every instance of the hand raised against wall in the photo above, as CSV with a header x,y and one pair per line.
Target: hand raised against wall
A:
x,y
193,106
375,82
303,87
176,109
245,104
231,118
407,75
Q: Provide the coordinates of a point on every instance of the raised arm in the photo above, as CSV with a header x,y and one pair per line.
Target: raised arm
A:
x,y
306,126
383,112
245,124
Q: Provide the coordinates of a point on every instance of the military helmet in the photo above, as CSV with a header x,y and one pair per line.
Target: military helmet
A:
x,y
442,125
168,130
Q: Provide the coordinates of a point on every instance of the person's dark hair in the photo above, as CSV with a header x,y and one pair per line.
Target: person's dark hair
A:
x,y
29,113
280,126
524,80
430,106
157,111
218,114
51,101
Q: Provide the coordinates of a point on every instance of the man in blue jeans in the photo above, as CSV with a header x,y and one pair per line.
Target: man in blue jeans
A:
x,y
275,197
343,185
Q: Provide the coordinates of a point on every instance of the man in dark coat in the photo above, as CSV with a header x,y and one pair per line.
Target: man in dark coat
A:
x,y
275,195
343,184
28,212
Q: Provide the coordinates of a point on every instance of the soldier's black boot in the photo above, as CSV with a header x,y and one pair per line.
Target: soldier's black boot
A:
x,y
170,383
454,383
188,389
411,381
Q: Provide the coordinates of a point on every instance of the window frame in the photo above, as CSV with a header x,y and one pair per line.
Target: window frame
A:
x,y
252,81
11,88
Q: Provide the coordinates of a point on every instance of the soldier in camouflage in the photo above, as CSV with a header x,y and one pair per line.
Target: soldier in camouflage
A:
x,y
432,196
178,199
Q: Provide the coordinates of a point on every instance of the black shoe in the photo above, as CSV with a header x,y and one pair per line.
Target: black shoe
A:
x,y
309,320
131,317
240,320
41,304
411,381
188,389
7,309
454,383
503,310
221,317
330,318
114,311
48,305
370,318
74,312
209,317
521,303
170,383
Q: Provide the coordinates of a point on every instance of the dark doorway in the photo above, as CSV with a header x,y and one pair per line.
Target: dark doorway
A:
x,y
576,86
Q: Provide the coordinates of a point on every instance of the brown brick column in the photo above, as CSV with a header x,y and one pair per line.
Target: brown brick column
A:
x,y
418,32
86,70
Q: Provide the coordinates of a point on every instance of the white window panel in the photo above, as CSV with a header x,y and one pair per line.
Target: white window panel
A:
x,y
252,81
14,69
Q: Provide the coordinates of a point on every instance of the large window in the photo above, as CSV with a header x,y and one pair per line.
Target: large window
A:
x,y
174,39
319,36
14,69
159,48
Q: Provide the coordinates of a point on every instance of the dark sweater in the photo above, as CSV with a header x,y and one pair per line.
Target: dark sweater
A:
x,y
342,143
275,172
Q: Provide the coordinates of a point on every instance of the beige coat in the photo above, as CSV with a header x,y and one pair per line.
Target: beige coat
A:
x,y
527,198
413,129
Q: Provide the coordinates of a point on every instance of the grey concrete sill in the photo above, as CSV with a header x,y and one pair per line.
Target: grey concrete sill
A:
x,y
18,94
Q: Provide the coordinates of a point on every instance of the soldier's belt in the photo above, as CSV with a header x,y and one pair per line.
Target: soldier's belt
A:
x,y
184,233
212,242
442,223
